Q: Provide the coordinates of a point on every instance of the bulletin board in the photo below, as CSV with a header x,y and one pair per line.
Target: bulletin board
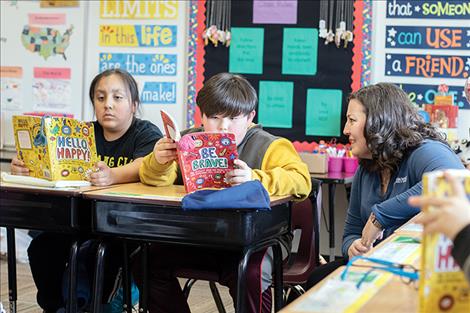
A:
x,y
295,101
41,59
420,44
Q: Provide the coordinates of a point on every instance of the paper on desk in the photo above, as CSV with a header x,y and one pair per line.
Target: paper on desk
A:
x,y
411,227
34,181
347,298
402,249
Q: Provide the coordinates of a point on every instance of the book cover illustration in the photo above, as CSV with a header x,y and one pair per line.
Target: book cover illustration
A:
x,y
55,148
442,287
203,157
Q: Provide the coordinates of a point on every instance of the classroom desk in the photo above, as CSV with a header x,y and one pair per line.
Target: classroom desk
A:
x,y
393,296
145,213
333,179
46,209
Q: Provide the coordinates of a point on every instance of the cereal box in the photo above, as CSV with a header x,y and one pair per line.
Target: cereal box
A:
x,y
443,287
55,148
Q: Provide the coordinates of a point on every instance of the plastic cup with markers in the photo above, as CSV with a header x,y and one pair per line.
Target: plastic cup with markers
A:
x,y
335,159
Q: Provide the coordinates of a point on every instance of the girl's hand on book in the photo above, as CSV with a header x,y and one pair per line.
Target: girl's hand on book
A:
x,y
102,176
241,174
165,150
18,167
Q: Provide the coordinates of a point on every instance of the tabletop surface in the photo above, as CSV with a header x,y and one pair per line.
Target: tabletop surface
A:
x,y
334,177
139,192
392,296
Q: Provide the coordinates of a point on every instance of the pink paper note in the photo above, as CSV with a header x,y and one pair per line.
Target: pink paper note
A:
x,y
275,12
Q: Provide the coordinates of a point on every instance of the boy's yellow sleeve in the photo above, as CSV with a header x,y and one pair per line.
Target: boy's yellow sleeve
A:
x,y
155,174
283,172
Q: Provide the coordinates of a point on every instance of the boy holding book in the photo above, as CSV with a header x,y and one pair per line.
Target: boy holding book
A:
x,y
227,103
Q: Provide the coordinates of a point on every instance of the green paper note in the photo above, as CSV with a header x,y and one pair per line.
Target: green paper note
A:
x,y
246,50
275,104
324,112
299,51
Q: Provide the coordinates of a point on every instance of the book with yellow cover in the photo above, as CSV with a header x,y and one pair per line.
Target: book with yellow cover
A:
x,y
443,287
55,148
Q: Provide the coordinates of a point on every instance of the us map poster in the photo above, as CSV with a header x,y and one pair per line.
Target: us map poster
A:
x,y
42,60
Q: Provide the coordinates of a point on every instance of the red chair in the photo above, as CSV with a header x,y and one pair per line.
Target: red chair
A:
x,y
305,217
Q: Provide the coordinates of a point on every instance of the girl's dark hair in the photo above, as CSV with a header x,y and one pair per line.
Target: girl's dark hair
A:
x,y
393,125
227,94
128,80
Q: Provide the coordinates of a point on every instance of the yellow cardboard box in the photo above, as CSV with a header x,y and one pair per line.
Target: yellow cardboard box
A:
x,y
317,163
442,286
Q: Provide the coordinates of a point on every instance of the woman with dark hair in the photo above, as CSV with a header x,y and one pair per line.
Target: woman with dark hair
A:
x,y
395,147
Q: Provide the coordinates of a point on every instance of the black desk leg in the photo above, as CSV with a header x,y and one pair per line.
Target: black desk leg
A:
x,y
126,280
11,250
99,279
241,283
278,279
71,305
143,296
331,210
278,285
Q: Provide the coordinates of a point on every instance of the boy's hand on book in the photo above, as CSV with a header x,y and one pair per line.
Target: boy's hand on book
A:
x,y
165,150
102,175
241,174
18,167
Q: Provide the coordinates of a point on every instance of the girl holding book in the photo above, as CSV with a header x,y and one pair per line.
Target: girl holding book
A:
x,y
122,140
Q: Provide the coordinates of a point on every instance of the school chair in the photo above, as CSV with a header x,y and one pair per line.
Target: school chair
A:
x,y
305,218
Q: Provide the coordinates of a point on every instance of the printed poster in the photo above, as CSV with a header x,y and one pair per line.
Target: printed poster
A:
x,y
142,9
145,64
323,116
430,37
52,89
158,93
275,12
428,65
428,9
299,51
11,88
138,35
246,50
275,104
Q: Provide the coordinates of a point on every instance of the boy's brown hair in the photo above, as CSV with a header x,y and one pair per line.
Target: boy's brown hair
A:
x,y
227,94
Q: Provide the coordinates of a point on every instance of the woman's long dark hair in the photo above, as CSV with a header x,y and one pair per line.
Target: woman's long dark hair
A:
x,y
393,127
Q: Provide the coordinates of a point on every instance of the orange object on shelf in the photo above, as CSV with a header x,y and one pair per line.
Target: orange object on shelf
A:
x,y
445,116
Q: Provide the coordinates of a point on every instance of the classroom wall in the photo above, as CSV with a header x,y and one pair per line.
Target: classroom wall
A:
x,y
147,38
412,44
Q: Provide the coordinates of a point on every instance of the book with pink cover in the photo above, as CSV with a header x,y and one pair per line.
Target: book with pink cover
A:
x,y
203,157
